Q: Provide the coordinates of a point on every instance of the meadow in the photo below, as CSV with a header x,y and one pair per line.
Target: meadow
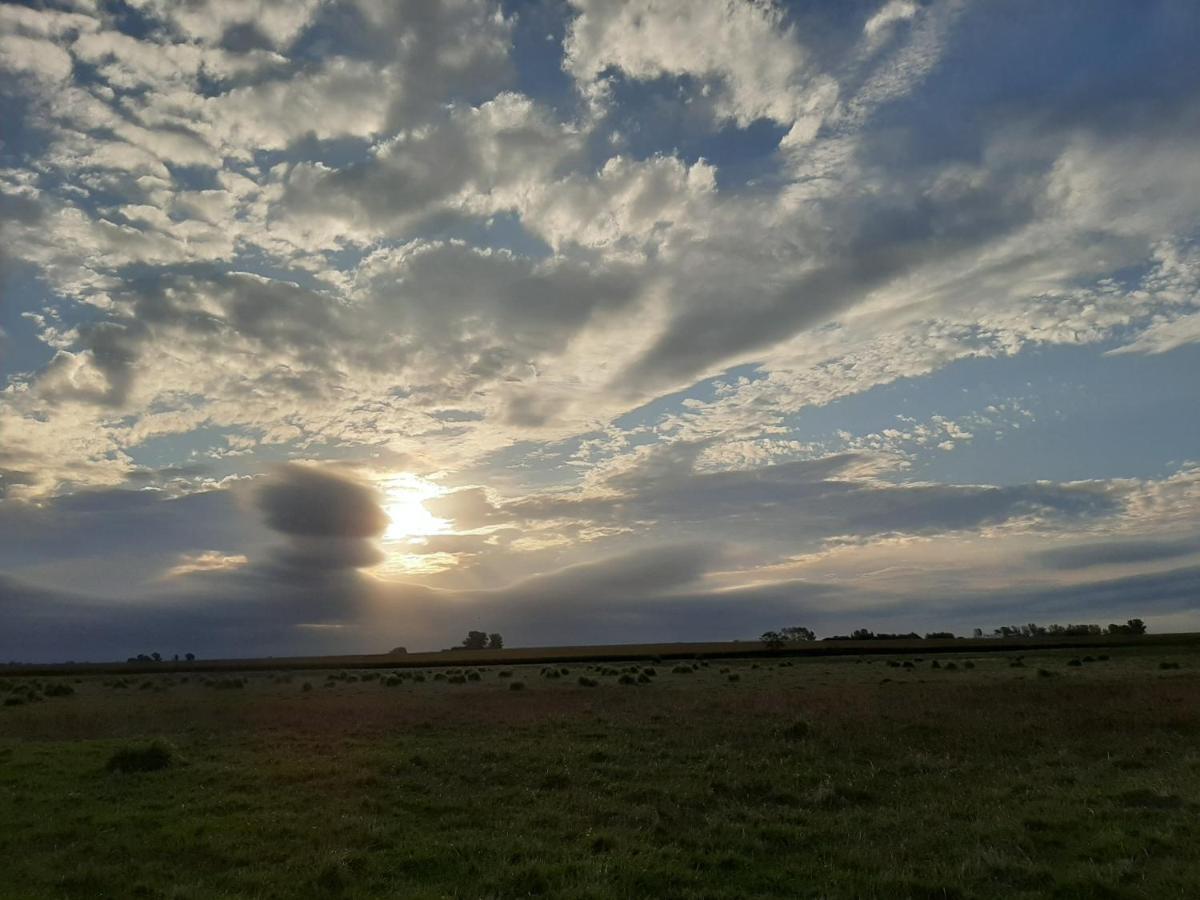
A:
x,y
1055,773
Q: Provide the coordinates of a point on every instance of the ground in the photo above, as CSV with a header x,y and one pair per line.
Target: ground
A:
x,y
834,777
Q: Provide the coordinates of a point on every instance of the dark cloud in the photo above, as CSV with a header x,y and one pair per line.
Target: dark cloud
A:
x,y
1114,599
807,501
1107,553
306,502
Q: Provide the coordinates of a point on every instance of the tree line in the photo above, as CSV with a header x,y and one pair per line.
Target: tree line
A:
x,y
798,634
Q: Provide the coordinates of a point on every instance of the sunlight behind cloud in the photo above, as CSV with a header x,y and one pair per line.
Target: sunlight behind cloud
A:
x,y
406,496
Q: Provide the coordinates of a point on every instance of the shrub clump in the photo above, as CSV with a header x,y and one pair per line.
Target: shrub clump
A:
x,y
517,686
505,673
682,670
734,676
797,731
1168,665
150,758
627,679
58,690
584,681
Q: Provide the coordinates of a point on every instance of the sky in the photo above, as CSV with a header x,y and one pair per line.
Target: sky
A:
x,y
330,326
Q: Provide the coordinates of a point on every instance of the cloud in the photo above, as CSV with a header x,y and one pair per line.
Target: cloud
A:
x,y
305,502
1114,553
759,66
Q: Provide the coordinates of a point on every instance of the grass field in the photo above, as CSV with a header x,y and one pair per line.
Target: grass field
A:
x,y
825,777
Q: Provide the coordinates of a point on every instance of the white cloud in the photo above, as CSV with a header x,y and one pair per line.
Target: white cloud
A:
x,y
758,63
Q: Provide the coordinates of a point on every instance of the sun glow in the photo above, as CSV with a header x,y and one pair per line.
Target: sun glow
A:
x,y
405,506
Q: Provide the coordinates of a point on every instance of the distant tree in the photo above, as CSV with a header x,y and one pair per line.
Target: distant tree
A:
x,y
399,651
862,634
797,633
495,641
156,656
475,640
190,657
940,635
773,639
1131,627
978,632
175,658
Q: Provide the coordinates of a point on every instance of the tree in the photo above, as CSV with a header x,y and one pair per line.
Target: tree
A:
x,y
1136,626
156,656
978,632
495,641
190,657
475,640
797,633
773,639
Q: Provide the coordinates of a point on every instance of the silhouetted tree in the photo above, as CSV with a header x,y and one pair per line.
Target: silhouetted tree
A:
x,y
495,641
773,639
1132,626
190,657
796,633
475,640
156,656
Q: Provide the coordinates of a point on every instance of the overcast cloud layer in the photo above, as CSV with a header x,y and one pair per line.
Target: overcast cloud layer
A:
x,y
332,325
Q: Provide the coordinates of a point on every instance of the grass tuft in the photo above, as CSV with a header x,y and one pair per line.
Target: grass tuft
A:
x,y
148,758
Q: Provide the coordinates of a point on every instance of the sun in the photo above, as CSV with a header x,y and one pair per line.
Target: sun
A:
x,y
405,507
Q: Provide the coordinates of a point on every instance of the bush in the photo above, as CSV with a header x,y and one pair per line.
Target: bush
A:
x,y
473,676
457,679
505,673
584,681
968,665
517,686
682,670
627,679
420,676
1045,673
734,676
14,701
306,687
58,690
392,681
651,671
1168,665
150,758
1074,662
797,731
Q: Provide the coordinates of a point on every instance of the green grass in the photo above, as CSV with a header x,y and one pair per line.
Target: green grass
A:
x,y
828,778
